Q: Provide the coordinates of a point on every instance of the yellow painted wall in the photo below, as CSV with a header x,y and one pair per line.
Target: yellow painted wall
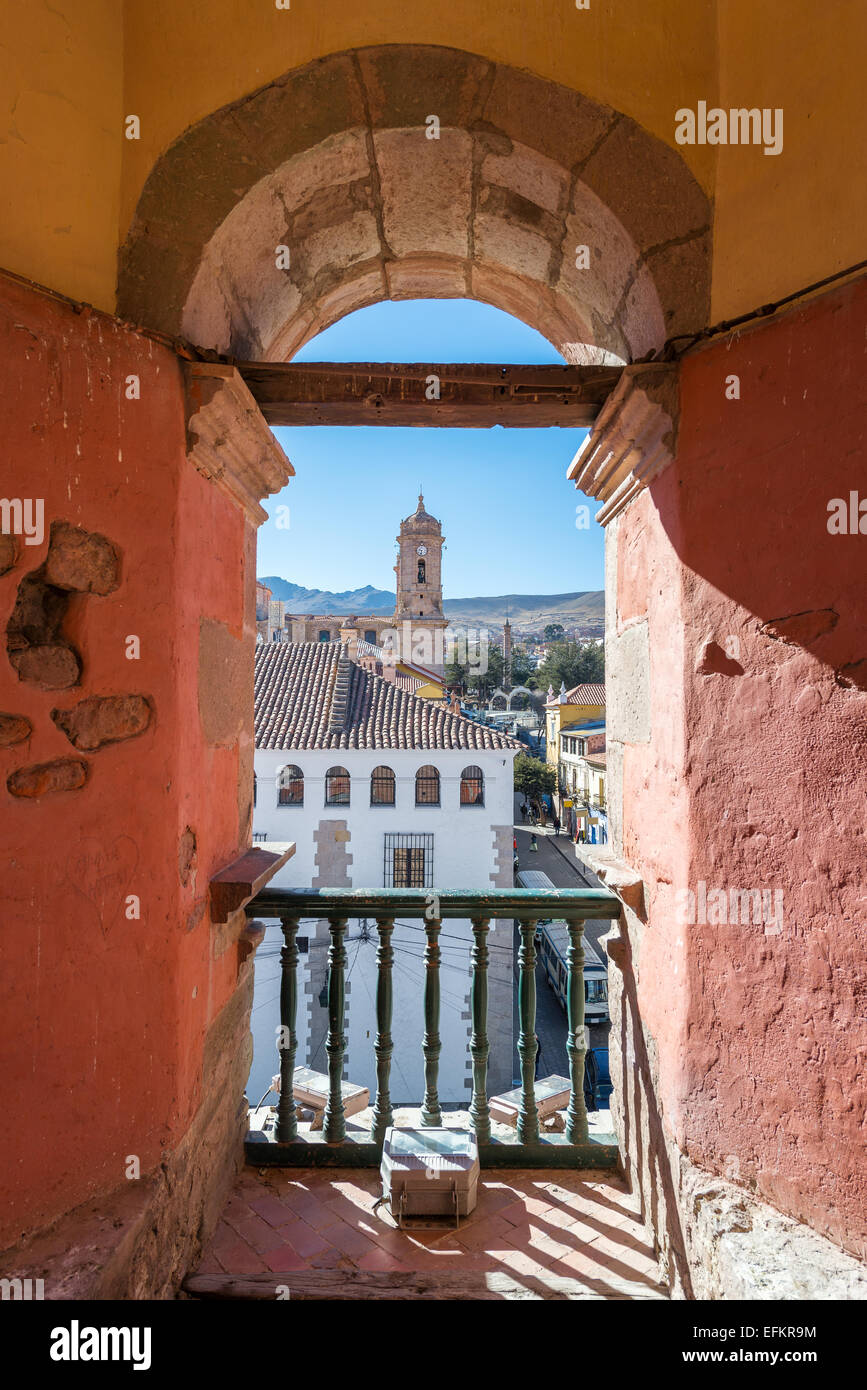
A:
x,y
61,97
75,68
785,221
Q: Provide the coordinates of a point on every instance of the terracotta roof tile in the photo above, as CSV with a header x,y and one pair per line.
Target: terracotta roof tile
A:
x,y
310,695
584,695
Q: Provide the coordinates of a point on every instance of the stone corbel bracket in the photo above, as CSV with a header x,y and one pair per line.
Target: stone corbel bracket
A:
x,y
233,887
228,440
616,874
632,440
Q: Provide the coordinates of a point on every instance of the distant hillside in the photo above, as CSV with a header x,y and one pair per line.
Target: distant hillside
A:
x,y
525,610
529,610
366,600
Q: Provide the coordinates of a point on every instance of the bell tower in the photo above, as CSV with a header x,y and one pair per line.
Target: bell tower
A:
x,y
419,609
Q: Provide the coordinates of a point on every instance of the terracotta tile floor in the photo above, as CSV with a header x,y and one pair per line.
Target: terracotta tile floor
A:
x,y
526,1223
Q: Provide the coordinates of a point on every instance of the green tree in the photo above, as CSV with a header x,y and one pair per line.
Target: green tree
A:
x,y
522,672
533,777
571,664
484,683
554,632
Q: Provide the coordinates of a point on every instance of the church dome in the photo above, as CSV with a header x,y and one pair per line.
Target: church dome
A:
x,y
420,519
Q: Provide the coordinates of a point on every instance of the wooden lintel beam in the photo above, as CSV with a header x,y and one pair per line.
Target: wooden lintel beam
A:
x,y
457,396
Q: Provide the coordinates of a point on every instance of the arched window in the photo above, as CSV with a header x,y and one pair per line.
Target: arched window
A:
x,y
382,787
324,635
337,787
370,636
427,786
291,786
472,786
421,572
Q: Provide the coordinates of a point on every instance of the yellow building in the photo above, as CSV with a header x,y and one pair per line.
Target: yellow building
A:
x,y
570,707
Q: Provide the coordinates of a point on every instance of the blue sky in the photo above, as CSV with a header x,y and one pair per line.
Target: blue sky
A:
x,y
507,510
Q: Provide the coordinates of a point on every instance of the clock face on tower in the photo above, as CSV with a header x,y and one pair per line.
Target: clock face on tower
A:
x,y
421,550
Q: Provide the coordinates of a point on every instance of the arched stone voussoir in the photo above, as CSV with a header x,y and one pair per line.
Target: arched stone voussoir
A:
x,y
333,162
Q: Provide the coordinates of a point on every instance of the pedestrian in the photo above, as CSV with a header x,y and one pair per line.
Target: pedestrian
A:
x,y
524,812
534,846
556,825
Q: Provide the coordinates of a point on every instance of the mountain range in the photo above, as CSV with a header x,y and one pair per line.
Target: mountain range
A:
x,y
524,610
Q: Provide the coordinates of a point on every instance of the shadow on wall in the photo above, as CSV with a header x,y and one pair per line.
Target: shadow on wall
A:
x,y
649,1165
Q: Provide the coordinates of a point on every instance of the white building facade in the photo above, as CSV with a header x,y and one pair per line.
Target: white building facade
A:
x,y
435,815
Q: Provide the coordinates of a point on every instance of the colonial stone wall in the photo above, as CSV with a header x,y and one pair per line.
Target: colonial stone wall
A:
x,y
128,654
737,646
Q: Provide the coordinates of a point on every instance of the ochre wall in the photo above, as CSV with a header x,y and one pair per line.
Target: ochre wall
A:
x,y
781,222
104,1017
60,155
785,221
753,776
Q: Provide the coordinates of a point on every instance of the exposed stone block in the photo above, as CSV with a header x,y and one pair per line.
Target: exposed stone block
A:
x,y
103,719
82,561
53,667
398,81
225,682
644,185
629,684
41,779
425,191
527,173
14,728
78,561
186,855
546,117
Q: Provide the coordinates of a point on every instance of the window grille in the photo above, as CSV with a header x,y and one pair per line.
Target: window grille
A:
x,y
472,786
408,861
382,787
427,786
337,787
291,786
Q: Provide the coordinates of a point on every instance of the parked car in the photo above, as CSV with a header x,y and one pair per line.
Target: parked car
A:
x,y
597,1079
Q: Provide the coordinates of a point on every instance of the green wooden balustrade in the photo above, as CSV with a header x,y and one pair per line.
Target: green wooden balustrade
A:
x,y
337,906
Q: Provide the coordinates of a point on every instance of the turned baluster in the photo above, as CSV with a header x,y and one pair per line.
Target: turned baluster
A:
x,y
479,1048
528,1045
384,1046
334,1123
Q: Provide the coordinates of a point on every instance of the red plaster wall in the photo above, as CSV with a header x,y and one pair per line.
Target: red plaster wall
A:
x,y
103,1018
756,774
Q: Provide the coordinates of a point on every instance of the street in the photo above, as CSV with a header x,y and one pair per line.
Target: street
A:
x,y
556,858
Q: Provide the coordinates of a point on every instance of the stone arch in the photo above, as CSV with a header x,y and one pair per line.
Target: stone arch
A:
x,y
518,690
332,160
